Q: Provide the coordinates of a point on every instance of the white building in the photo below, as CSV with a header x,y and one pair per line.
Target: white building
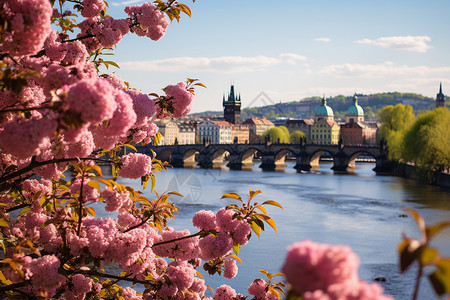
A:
x,y
215,132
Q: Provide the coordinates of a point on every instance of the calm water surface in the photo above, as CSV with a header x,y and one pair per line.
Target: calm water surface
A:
x,y
361,210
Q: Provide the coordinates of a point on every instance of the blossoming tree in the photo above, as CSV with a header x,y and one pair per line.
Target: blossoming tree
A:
x,y
57,113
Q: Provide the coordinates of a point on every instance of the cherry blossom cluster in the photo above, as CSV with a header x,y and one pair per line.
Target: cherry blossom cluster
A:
x,y
327,272
57,112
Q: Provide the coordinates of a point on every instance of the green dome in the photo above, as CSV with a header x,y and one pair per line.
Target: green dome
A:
x,y
324,109
355,109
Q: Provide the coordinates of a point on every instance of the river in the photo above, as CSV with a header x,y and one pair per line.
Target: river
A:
x,y
361,210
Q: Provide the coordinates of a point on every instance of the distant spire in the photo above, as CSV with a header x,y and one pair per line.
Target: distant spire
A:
x,y
440,98
355,99
440,88
324,100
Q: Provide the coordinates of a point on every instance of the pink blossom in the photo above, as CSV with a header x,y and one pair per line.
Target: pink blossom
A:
x,y
241,232
82,147
313,266
204,220
124,116
183,250
81,284
360,290
143,106
231,269
45,272
258,289
89,193
115,200
180,99
29,136
28,26
92,99
130,294
224,292
225,221
92,8
152,22
212,247
181,274
135,165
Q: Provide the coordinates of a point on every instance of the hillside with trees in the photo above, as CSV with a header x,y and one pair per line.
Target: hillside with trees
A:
x,y
305,108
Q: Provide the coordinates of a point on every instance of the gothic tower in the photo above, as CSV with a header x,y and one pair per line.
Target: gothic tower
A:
x,y
440,98
232,107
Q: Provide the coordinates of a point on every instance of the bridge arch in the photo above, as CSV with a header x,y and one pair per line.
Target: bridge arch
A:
x,y
315,158
219,156
246,158
190,157
352,158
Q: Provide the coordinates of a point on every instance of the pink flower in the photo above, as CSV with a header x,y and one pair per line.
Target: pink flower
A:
x,y
313,266
231,269
225,221
81,284
241,232
92,8
28,24
92,99
135,165
29,136
179,98
152,22
212,247
183,250
45,272
115,200
258,289
205,220
224,292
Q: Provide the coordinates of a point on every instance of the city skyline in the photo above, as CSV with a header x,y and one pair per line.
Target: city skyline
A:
x,y
294,49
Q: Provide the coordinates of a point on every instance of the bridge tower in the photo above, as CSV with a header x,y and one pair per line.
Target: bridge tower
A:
x,y
440,98
232,107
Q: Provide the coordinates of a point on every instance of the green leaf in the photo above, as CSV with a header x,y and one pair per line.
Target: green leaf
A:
x,y
274,203
90,210
235,257
433,230
3,223
440,282
108,62
256,229
254,193
232,196
428,255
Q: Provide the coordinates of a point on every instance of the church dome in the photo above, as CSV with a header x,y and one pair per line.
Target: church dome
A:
x,y
324,110
355,109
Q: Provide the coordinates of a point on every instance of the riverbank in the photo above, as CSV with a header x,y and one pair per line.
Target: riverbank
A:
x,y
413,172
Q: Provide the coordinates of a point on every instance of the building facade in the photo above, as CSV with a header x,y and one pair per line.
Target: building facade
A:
x,y
325,130
356,131
303,125
257,127
240,134
168,130
215,132
186,135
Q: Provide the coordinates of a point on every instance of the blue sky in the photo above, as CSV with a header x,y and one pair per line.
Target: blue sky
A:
x,y
293,49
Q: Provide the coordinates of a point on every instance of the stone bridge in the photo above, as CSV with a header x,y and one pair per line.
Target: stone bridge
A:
x,y
240,156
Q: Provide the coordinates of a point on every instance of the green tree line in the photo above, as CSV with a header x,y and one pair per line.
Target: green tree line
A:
x,y
423,140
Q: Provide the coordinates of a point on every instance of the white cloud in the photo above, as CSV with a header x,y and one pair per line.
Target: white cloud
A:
x,y
223,64
123,3
292,58
401,43
323,39
387,69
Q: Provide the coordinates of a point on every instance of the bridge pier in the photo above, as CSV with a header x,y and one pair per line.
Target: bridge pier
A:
x,y
269,163
340,163
205,161
383,165
303,162
234,162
